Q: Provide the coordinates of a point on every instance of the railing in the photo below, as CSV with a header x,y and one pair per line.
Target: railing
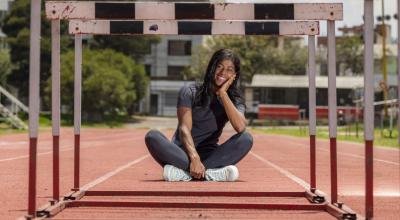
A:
x,y
11,115
15,103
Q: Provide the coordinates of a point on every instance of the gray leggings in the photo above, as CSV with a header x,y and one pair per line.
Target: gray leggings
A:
x,y
229,153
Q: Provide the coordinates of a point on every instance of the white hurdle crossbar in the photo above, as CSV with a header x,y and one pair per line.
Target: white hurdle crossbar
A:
x,y
168,27
192,10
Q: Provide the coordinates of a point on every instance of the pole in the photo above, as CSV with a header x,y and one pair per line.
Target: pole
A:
x,y
34,101
55,104
312,107
369,105
332,107
398,72
77,107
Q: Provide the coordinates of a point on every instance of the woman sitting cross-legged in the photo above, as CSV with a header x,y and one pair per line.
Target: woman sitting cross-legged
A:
x,y
203,110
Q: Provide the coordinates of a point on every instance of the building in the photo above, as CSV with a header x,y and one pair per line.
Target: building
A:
x,y
4,7
285,96
164,66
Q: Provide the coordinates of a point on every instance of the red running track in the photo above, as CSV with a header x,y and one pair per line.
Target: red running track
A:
x,y
116,159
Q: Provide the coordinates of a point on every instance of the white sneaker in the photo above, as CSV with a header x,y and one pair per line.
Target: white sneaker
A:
x,y
226,174
174,174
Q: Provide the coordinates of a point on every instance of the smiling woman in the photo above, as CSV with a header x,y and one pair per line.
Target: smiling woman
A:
x,y
203,110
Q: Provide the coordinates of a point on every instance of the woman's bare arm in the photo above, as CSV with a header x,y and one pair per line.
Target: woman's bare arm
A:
x,y
236,117
197,169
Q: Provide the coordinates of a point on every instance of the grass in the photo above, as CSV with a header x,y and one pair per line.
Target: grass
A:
x,y
323,132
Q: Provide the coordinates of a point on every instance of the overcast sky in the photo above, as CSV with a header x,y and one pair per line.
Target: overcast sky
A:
x,y
353,11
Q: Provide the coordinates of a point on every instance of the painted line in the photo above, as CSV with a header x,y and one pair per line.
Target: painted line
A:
x,y
327,141
62,150
286,173
362,157
113,173
5,143
86,138
340,153
348,154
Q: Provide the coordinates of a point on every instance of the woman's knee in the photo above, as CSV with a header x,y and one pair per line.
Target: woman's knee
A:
x,y
151,136
246,140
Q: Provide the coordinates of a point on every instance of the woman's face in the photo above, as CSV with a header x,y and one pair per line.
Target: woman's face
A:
x,y
224,71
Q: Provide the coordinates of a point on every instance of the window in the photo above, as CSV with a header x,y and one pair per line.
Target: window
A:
x,y
277,96
147,69
171,99
179,48
175,72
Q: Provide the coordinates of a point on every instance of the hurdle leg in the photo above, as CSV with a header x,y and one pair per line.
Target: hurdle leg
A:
x,y
77,107
34,100
369,105
398,74
55,104
332,108
312,112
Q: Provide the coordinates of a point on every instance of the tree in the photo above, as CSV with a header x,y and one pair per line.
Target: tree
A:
x,y
258,55
350,53
133,46
109,83
5,66
16,26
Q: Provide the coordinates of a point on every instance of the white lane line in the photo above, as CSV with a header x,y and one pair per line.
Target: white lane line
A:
x,y
348,154
353,144
43,153
112,173
6,143
62,150
286,173
84,138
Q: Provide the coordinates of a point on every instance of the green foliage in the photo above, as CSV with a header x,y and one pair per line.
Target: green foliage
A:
x,y
350,53
109,83
16,25
133,46
5,66
258,54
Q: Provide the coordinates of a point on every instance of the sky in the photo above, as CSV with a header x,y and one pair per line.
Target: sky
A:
x,y
353,11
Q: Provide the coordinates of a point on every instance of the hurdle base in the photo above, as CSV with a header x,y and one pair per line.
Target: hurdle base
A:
x,y
313,197
263,206
340,211
27,217
74,195
52,210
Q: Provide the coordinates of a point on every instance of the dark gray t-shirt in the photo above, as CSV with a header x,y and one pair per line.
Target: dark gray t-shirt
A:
x,y
207,122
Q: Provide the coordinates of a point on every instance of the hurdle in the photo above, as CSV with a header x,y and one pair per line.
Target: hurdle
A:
x,y
163,18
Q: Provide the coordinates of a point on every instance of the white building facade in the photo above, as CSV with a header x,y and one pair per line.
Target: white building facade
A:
x,y
165,65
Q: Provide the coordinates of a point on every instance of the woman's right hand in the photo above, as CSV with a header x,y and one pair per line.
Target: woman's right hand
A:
x,y
197,169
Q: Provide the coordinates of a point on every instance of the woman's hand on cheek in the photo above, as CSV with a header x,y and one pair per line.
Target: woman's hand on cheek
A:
x,y
225,86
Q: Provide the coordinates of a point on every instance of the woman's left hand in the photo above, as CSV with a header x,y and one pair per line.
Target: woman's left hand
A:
x,y
225,86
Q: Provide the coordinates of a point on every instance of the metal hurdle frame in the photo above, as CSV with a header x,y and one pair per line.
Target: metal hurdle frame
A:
x,y
118,18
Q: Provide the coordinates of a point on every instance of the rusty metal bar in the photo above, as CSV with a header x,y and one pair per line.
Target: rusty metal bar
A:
x,y
99,203
195,193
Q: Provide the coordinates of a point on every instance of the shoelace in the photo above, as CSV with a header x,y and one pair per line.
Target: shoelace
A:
x,y
217,174
177,174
